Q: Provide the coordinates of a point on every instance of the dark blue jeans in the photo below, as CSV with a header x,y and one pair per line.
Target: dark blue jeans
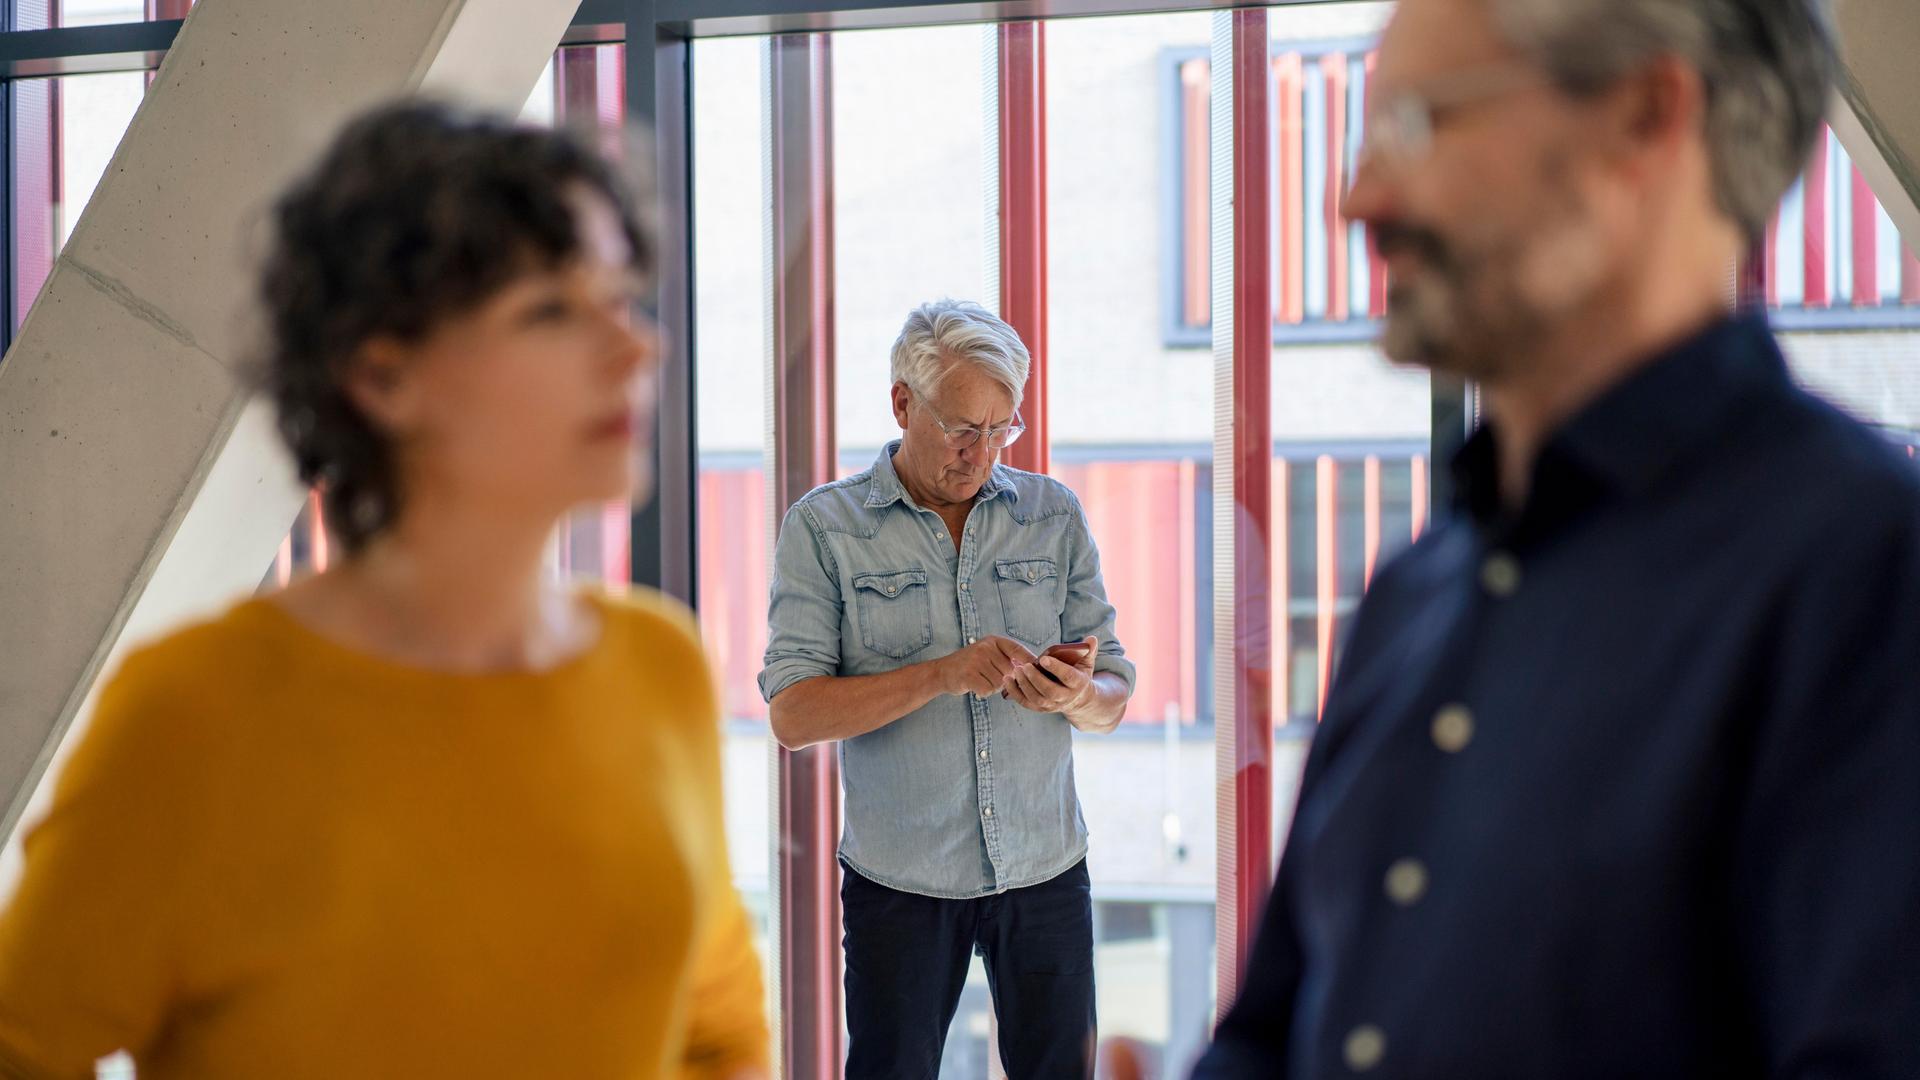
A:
x,y
907,959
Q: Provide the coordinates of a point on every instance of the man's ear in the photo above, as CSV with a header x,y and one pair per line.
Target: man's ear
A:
x,y
902,400
1657,112
377,379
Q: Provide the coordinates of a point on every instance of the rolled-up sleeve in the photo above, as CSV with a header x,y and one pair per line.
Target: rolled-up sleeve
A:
x,y
1088,613
804,609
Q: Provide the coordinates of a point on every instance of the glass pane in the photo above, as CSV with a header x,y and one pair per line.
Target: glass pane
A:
x,y
1844,290
100,12
103,12
588,90
730,379
1132,426
731,341
908,202
908,227
48,14
66,130
1352,432
1833,258
540,107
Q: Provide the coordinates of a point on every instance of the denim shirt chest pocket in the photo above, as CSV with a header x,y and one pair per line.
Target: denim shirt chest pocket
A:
x,y
1031,599
895,611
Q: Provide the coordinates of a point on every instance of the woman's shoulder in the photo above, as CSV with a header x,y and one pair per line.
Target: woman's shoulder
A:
x,y
647,622
212,651
642,610
661,656
164,710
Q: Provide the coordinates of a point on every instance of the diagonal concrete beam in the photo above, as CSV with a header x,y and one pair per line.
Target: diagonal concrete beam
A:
x,y
139,485
1878,114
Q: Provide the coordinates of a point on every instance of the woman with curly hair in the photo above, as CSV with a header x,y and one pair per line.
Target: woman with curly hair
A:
x,y
427,813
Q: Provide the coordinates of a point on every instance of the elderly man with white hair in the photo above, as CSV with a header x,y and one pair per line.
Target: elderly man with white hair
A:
x,y
913,607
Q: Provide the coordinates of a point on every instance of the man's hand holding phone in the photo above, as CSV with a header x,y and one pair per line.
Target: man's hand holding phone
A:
x,y
1058,680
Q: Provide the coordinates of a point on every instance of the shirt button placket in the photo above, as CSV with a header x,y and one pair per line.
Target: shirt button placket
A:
x,y
983,785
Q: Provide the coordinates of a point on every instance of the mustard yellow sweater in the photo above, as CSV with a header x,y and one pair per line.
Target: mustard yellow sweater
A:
x,y
273,856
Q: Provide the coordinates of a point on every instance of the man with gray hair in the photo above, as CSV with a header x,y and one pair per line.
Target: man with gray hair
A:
x,y
912,609
1620,776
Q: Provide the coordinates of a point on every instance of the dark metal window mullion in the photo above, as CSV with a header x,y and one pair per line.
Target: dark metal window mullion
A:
x,y
659,91
8,233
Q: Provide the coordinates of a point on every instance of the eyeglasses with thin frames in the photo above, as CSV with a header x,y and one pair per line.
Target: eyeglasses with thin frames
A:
x,y
1400,130
960,438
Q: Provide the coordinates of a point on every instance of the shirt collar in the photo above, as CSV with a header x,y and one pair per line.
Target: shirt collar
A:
x,y
886,488
1634,433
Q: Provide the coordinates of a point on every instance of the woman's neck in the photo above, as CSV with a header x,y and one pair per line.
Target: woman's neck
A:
x,y
452,591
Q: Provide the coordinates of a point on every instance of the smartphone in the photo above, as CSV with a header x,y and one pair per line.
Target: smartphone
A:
x,y
1067,652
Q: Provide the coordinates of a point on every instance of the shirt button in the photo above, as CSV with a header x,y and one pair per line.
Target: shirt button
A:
x,y
1500,575
1453,728
963,586
939,536
1366,1046
969,641
988,811
1407,881
983,757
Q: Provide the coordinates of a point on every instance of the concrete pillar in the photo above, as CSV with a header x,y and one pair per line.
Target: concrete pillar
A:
x,y
1878,116
139,484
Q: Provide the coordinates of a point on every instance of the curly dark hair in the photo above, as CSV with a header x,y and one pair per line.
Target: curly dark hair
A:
x,y
417,213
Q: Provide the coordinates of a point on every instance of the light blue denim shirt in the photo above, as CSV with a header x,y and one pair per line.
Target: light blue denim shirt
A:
x,y
965,796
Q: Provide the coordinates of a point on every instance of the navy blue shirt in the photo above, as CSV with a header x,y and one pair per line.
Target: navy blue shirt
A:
x,y
1625,783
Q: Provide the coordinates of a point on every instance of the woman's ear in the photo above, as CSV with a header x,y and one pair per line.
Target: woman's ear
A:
x,y
378,381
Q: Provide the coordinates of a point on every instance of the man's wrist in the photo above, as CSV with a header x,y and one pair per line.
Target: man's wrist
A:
x,y
1089,696
941,672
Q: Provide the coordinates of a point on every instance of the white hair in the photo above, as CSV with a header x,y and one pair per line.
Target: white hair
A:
x,y
941,334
